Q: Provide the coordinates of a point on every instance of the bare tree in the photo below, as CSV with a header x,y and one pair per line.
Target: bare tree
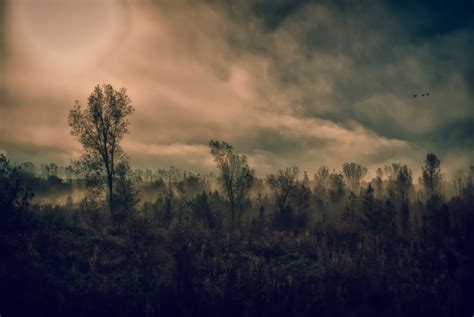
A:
x,y
100,127
282,185
235,174
354,173
321,180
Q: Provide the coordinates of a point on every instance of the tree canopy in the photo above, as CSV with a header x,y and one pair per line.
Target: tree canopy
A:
x,y
100,127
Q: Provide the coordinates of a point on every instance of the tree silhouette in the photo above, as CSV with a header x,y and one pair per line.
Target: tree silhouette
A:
x,y
15,197
321,180
337,187
378,183
99,128
354,173
300,196
125,194
431,174
370,216
349,215
403,185
282,185
235,174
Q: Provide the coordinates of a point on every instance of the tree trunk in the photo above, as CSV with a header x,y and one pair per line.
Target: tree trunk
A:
x,y
168,212
111,198
232,215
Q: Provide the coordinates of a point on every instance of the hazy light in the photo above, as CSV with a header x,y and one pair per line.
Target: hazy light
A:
x,y
66,33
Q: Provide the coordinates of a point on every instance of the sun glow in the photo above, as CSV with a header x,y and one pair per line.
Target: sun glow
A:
x,y
66,33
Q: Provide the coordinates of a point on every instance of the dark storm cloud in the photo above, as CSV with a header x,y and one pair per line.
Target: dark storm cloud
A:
x,y
287,82
388,51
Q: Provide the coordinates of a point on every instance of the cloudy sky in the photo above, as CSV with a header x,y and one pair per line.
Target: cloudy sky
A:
x,y
285,81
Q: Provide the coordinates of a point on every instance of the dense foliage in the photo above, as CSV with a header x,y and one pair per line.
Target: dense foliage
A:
x,y
332,245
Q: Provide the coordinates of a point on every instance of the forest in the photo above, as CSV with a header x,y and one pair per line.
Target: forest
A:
x,y
99,237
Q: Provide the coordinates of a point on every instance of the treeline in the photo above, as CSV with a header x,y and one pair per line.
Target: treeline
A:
x,y
178,243
328,196
379,248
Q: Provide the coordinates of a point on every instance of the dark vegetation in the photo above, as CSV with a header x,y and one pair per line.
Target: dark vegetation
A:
x,y
167,242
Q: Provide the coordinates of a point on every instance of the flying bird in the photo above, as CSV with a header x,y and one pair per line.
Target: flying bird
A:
x,y
422,95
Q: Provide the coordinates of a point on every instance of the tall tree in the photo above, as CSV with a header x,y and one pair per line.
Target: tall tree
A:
x,y
403,185
300,196
431,176
100,127
378,183
370,216
282,185
235,174
349,215
321,180
354,173
337,187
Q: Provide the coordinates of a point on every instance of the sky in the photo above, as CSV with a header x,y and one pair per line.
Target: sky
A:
x,y
286,82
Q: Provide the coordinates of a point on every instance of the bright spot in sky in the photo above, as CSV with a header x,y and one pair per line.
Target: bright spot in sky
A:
x,y
66,33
